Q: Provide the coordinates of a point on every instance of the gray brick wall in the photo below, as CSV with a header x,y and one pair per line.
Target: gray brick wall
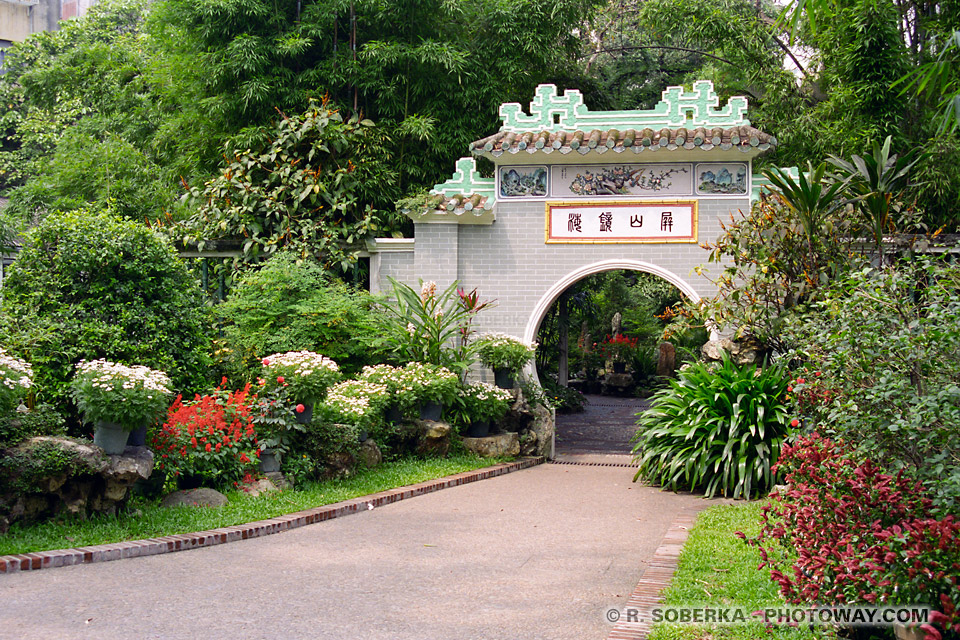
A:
x,y
510,261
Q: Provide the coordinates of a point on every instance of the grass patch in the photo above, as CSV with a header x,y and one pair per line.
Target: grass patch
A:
x,y
146,519
717,569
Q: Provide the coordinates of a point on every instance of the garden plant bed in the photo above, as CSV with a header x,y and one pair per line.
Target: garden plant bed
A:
x,y
177,541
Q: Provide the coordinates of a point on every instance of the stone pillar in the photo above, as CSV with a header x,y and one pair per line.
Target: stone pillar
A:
x,y
667,362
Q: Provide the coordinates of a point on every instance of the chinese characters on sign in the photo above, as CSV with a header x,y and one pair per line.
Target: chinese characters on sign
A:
x,y
622,222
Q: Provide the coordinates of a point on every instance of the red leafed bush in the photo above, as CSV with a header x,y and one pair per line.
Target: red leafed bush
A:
x,y
845,533
212,437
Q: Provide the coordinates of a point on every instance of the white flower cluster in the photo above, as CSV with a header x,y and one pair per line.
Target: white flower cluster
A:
x,y
496,339
353,399
484,391
112,376
428,290
301,363
15,372
394,378
421,375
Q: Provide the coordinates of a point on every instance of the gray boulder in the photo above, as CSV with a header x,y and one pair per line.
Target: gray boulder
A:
x,y
201,497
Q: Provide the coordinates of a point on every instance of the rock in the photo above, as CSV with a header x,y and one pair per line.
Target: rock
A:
x,y
136,463
543,427
528,443
201,497
502,444
263,485
434,438
339,465
745,351
618,384
279,480
519,415
711,350
667,362
370,455
91,482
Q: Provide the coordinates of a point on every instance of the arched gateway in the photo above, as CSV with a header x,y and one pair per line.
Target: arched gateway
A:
x,y
578,192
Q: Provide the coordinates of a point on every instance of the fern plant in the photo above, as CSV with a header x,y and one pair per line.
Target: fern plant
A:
x,y
715,430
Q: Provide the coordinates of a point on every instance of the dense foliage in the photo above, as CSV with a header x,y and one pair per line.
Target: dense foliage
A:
x,y
845,532
881,368
290,304
304,188
89,285
716,430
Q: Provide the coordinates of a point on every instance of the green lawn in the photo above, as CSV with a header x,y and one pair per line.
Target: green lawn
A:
x,y
718,569
148,520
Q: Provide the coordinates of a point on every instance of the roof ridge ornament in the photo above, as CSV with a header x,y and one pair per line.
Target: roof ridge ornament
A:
x,y
466,180
677,108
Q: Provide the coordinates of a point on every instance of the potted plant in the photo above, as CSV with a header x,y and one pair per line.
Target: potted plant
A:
x,y
356,402
483,403
402,395
619,349
304,374
118,399
434,387
210,440
16,378
505,354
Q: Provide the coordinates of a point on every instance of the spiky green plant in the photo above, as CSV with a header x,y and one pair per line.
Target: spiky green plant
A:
x,y
715,430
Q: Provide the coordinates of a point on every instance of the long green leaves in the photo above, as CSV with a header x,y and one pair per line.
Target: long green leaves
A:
x,y
715,430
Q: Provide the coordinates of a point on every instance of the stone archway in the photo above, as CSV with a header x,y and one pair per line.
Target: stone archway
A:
x,y
553,293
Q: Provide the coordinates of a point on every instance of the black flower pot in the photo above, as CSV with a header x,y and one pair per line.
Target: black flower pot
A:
x,y
431,411
504,378
478,429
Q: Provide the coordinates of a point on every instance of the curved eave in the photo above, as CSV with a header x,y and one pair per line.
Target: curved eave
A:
x,y
735,143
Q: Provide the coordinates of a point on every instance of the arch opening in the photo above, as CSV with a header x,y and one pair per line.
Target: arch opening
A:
x,y
553,294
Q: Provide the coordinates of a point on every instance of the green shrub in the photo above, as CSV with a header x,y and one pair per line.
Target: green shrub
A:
x,y
42,420
564,399
716,430
324,444
290,304
882,369
89,285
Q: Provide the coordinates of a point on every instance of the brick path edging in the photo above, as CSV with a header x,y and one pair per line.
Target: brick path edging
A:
x,y
655,579
186,541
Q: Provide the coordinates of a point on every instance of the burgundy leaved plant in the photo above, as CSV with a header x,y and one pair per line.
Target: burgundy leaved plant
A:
x,y
844,532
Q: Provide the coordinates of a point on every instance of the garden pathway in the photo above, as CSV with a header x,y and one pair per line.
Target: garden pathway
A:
x,y
539,553
604,427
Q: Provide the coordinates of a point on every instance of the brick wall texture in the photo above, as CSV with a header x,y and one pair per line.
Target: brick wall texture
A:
x,y
510,262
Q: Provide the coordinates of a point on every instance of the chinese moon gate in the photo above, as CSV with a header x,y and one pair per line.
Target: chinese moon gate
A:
x,y
576,192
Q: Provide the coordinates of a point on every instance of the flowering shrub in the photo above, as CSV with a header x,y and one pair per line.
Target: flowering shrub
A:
x,y
502,351
274,417
306,374
16,378
397,380
212,437
110,392
432,327
847,533
432,383
484,401
357,402
619,348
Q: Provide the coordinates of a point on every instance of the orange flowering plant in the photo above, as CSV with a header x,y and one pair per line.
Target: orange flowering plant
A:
x,y
212,437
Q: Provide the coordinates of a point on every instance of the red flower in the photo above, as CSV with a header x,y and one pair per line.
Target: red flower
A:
x,y
794,423
279,379
208,447
301,408
266,362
